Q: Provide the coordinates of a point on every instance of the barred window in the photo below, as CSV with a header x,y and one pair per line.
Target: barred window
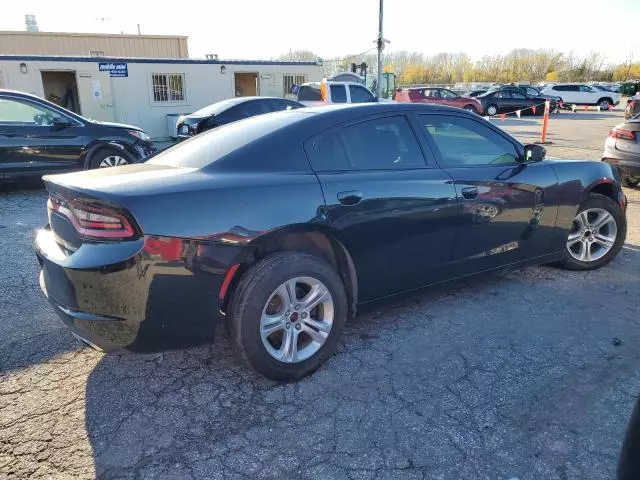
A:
x,y
290,79
168,87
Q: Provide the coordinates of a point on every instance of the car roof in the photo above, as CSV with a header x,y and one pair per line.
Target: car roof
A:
x,y
18,93
218,107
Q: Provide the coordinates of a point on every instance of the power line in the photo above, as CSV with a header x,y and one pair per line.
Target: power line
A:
x,y
349,57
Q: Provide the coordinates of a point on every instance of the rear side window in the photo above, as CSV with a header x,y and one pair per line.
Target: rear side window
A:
x,y
463,142
338,94
309,93
380,144
360,94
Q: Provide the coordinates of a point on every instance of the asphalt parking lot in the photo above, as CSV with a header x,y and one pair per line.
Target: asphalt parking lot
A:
x,y
530,374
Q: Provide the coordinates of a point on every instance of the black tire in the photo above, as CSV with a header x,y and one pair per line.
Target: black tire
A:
x,y
251,296
104,154
470,108
630,182
490,107
595,200
604,103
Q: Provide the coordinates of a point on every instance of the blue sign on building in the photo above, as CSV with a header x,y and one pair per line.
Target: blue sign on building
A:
x,y
114,69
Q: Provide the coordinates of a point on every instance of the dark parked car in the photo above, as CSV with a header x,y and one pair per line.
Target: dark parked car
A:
x,y
438,96
228,111
475,93
622,149
508,100
37,137
286,222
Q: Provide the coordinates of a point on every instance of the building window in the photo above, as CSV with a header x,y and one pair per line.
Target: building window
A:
x,y
96,53
168,87
290,79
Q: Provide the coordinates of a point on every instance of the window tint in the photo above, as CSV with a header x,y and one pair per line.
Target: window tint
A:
x,y
326,153
279,105
572,88
382,144
338,94
360,94
258,107
15,112
309,93
463,142
560,88
431,92
532,92
584,88
517,95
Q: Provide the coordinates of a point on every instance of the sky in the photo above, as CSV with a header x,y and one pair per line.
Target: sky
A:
x,y
263,29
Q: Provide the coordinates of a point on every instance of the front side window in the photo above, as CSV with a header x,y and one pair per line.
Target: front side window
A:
x,y
168,87
517,95
338,94
448,94
21,113
258,107
463,142
584,88
360,94
431,93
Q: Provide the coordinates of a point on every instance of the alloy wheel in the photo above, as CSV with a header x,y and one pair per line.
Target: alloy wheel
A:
x,y
593,234
297,319
113,161
604,105
492,110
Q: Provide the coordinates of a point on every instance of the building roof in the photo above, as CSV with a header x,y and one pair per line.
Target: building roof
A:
x,y
71,58
80,34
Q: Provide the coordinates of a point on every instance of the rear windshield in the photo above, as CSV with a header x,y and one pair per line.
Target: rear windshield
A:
x,y
309,93
205,148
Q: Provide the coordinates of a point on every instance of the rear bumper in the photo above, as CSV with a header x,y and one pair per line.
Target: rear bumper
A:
x,y
627,164
133,296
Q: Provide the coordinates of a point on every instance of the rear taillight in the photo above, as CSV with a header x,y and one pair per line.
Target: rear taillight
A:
x,y
622,133
93,221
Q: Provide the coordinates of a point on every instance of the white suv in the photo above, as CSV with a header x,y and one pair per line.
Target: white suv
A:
x,y
581,94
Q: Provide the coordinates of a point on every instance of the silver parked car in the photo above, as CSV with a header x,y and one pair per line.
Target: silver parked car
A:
x,y
622,149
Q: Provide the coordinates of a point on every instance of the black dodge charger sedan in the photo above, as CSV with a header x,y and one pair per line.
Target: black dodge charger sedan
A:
x,y
231,110
37,137
283,224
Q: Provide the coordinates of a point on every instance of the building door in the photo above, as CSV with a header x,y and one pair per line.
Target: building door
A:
x,y
61,88
246,84
96,98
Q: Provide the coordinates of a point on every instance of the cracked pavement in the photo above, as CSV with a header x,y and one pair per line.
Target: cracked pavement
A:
x,y
511,375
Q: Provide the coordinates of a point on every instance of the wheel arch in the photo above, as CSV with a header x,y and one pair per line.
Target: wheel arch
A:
x,y
317,240
608,99
98,145
603,187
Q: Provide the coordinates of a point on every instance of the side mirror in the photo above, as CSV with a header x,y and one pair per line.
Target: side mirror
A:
x,y
59,124
534,153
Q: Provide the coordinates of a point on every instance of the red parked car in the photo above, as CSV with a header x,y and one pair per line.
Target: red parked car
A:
x,y
440,96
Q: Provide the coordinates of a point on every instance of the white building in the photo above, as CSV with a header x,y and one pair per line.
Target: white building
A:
x,y
145,91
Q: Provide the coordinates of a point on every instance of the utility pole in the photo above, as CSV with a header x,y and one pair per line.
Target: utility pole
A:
x,y
380,47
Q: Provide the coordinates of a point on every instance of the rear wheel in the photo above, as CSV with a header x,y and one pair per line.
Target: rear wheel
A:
x,y
108,157
492,110
287,314
597,234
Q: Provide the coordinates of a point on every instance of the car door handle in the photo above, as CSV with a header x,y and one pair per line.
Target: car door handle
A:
x,y
351,197
470,193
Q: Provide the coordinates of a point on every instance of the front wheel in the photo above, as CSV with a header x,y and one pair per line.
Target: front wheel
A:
x,y
492,110
108,157
597,234
604,103
470,108
287,314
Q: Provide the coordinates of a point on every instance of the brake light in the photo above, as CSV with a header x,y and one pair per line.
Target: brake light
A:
x,y
622,133
93,221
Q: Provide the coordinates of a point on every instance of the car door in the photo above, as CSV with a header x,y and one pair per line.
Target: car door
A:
x,y
338,93
30,143
507,205
588,95
395,213
518,101
450,98
571,94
